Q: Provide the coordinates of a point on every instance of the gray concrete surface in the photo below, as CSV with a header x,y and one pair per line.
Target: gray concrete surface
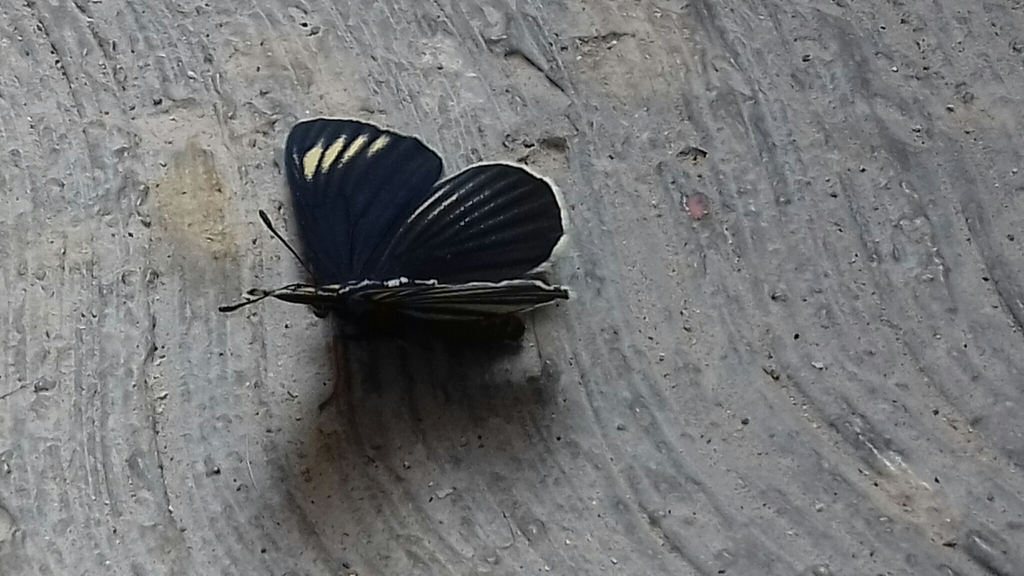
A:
x,y
822,376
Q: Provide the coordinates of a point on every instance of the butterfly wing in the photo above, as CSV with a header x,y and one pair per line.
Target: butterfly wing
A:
x,y
488,223
470,301
353,186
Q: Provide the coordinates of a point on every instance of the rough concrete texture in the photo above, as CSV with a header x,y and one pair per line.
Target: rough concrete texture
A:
x,y
821,375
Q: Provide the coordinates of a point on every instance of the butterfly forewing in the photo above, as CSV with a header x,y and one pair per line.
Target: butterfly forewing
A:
x,y
352,186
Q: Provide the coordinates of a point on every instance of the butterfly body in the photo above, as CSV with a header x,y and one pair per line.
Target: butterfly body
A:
x,y
369,319
390,245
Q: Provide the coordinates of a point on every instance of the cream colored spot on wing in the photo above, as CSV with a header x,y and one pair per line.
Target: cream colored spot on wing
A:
x,y
332,153
379,144
357,145
310,161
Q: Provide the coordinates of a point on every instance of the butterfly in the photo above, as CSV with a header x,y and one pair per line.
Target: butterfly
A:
x,y
394,249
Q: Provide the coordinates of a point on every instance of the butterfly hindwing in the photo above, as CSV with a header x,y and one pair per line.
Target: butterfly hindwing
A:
x,y
431,300
353,185
490,222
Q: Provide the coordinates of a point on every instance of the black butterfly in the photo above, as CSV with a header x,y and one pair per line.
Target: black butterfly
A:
x,y
393,250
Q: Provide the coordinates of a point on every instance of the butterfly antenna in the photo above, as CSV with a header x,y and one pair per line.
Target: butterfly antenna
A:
x,y
254,296
267,223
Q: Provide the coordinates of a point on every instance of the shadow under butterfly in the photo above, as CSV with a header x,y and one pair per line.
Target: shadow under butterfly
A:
x,y
395,252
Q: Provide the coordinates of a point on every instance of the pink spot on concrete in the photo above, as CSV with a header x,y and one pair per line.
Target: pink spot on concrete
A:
x,y
698,205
